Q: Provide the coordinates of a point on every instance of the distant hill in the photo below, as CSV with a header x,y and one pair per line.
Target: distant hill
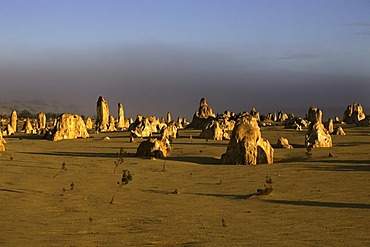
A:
x,y
36,106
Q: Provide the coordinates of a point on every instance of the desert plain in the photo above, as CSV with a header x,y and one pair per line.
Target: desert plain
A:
x,y
187,199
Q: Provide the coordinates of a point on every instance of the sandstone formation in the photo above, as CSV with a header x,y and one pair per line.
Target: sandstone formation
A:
x,y
169,117
282,117
339,131
246,145
226,120
141,127
317,135
295,123
278,117
283,143
89,123
9,130
102,115
13,120
153,123
201,115
353,114
364,122
169,132
179,122
41,121
330,125
2,142
161,124
154,148
27,127
112,124
68,126
214,131
121,117
337,120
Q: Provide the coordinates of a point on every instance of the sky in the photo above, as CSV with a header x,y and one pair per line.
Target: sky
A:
x,y
157,56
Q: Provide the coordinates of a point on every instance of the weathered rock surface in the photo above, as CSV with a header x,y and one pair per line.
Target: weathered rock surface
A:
x,y
89,123
330,125
339,131
214,131
68,126
353,114
121,118
141,127
14,120
337,120
41,121
9,130
283,143
246,145
295,123
2,142
201,115
112,124
27,127
317,135
102,115
154,148
169,119
169,131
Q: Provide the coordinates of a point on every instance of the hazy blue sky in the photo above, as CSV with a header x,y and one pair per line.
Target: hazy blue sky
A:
x,y
158,56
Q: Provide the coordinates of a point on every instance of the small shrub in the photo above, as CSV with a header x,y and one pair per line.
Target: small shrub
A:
x,y
126,178
120,159
61,170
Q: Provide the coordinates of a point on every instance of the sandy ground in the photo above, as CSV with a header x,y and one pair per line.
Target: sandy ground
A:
x,y
317,201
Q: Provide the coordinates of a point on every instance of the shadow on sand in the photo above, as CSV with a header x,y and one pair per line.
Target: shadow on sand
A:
x,y
234,197
345,168
77,154
321,204
196,159
25,137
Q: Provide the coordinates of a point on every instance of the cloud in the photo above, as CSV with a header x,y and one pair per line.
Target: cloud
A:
x,y
363,33
359,24
299,56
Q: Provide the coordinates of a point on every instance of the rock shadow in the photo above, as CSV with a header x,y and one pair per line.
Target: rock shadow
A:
x,y
77,154
345,168
321,204
201,160
25,137
226,196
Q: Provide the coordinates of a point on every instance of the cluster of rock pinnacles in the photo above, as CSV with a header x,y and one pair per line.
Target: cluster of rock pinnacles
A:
x,y
246,145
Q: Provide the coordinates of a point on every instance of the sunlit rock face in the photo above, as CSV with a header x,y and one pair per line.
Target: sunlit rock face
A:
x,y
154,148
13,120
213,130
89,123
283,143
68,126
2,142
112,124
27,127
317,135
201,115
122,123
169,131
339,131
246,146
353,114
102,115
41,121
